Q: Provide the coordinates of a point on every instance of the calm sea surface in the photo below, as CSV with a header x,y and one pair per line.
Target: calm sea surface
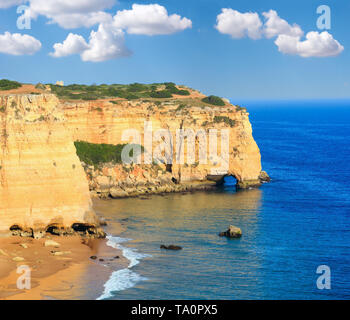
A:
x,y
291,226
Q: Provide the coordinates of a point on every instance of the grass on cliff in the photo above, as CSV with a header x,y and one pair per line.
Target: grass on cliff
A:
x,y
129,92
97,154
9,85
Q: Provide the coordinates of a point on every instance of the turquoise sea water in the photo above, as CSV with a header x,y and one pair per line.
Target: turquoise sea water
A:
x,y
290,226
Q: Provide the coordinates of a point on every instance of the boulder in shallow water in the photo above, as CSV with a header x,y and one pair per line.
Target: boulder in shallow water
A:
x,y
232,232
170,247
264,177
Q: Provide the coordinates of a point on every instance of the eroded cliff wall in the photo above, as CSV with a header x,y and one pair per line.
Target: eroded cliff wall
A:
x,y
105,122
41,178
42,181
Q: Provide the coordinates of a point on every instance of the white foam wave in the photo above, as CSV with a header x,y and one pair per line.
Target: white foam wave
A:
x,y
125,278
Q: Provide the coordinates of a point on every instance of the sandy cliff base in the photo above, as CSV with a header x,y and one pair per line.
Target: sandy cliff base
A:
x,y
64,275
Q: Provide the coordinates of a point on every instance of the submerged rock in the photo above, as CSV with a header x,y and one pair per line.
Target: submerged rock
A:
x,y
170,247
232,232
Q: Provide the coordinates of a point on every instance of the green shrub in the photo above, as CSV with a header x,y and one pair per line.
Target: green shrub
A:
x,y
183,92
137,87
172,89
96,154
227,120
9,85
161,94
239,108
131,96
214,100
40,86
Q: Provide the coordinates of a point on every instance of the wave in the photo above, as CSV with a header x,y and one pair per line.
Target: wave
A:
x,y
125,278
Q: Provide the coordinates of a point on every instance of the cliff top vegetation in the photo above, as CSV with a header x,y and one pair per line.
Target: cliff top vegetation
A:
x,y
124,91
9,85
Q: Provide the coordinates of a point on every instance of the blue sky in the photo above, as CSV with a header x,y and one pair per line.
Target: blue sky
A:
x,y
200,57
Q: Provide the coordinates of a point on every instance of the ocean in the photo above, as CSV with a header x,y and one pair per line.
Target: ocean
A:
x,y
291,226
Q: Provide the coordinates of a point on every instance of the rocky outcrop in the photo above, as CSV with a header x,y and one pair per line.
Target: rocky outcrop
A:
x,y
105,122
232,232
171,247
42,183
121,181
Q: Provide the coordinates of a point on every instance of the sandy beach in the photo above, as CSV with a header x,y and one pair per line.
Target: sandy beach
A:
x,y
66,271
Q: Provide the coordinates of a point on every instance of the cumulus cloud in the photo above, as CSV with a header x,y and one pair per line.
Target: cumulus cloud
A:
x,y
108,41
104,44
275,26
74,44
151,19
18,44
77,20
70,14
288,37
316,45
10,3
239,25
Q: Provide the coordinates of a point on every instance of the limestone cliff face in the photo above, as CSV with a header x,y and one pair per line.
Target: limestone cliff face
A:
x,y
41,179
104,122
42,182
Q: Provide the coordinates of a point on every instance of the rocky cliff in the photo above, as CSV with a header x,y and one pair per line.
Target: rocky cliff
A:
x,y
42,182
105,122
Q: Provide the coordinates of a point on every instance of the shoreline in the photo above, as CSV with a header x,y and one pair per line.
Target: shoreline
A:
x,y
64,275
118,181
183,188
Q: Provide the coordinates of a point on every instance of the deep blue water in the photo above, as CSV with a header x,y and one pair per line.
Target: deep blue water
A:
x,y
290,226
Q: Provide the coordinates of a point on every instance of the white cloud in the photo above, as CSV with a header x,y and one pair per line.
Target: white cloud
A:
x,y
151,19
275,26
77,20
10,3
18,44
239,25
108,41
74,44
72,14
316,45
104,44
